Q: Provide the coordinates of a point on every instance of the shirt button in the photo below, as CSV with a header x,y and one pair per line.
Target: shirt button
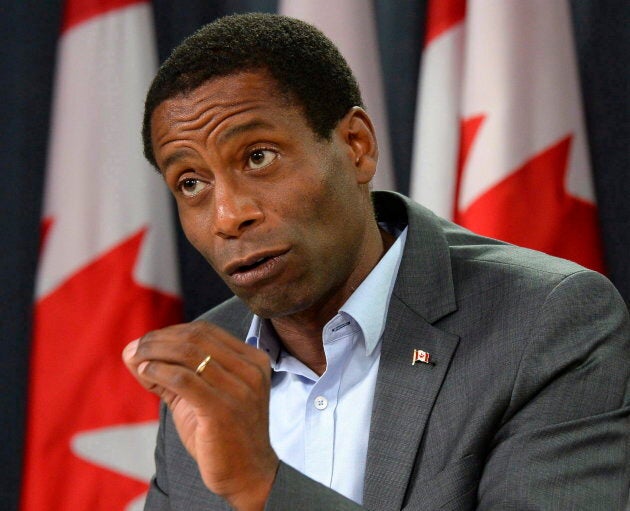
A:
x,y
321,402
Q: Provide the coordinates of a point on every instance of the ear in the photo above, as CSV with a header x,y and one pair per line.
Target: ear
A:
x,y
357,132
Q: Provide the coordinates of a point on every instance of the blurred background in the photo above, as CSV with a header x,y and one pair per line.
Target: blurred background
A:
x,y
406,54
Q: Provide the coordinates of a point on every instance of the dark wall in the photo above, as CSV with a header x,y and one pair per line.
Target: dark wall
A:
x,y
27,54
603,43
26,73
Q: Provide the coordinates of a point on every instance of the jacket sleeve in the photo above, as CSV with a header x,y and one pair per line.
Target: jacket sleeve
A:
x,y
563,442
157,498
293,490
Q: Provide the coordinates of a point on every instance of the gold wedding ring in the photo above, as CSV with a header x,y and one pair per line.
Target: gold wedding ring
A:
x,y
202,365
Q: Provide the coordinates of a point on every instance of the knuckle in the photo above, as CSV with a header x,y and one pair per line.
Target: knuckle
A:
x,y
180,380
190,351
148,338
257,374
260,360
198,331
207,329
142,351
191,328
263,379
201,327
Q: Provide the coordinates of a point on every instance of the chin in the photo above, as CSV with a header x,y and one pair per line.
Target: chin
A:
x,y
268,310
271,305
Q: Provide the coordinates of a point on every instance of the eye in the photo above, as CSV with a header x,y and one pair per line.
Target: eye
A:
x,y
190,187
260,158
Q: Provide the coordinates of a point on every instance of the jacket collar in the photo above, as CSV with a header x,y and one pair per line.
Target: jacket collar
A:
x,y
425,280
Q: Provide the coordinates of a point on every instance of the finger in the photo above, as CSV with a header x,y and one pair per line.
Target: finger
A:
x,y
173,382
127,356
158,348
200,330
204,328
167,348
188,345
239,386
192,342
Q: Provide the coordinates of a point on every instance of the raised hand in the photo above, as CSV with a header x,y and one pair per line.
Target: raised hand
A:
x,y
217,388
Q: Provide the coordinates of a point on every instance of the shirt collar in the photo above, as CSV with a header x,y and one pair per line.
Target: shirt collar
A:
x,y
262,336
369,303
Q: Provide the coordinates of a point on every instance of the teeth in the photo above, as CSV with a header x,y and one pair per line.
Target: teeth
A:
x,y
260,260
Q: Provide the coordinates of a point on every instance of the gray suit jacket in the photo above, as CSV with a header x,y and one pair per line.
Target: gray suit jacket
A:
x,y
527,404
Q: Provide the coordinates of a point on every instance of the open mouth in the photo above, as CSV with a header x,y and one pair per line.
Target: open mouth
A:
x,y
259,270
257,267
255,264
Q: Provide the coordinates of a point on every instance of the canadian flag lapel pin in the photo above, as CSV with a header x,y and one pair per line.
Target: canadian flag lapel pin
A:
x,y
420,356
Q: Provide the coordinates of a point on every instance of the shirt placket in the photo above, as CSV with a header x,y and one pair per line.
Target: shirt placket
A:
x,y
320,407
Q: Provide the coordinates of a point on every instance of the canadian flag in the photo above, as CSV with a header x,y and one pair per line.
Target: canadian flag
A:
x,y
351,25
420,356
500,144
107,270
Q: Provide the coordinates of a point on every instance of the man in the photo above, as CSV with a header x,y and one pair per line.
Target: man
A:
x,y
414,365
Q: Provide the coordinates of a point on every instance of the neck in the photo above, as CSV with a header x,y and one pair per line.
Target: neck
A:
x,y
301,332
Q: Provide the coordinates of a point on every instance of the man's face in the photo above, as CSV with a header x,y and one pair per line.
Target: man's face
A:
x,y
280,214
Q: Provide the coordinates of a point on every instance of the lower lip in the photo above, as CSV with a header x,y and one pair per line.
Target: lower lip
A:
x,y
265,271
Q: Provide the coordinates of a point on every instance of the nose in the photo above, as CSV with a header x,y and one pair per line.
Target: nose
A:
x,y
235,211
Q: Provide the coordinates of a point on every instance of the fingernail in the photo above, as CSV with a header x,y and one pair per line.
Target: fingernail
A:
x,y
130,349
142,366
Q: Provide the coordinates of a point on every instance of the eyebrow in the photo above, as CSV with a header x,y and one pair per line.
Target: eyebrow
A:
x,y
242,128
173,158
224,137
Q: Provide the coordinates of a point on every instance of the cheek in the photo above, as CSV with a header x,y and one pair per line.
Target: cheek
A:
x,y
196,229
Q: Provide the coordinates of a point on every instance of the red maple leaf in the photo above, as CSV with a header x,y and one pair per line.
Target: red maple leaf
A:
x,y
531,206
79,383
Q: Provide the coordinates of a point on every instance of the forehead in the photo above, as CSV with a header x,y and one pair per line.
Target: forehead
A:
x,y
221,97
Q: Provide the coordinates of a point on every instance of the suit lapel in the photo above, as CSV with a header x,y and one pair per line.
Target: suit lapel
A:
x,y
403,400
405,393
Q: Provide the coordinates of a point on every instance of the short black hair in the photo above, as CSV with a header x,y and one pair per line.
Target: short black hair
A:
x,y
307,66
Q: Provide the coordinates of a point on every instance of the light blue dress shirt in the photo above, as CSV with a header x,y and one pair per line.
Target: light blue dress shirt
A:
x,y
320,424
